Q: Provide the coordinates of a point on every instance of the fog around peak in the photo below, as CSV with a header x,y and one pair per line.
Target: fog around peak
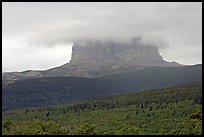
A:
x,y
175,28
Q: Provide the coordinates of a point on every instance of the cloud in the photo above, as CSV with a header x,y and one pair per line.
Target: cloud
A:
x,y
164,24
155,40
51,23
18,56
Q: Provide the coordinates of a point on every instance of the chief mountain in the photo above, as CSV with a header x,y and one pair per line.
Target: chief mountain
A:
x,y
93,58
96,69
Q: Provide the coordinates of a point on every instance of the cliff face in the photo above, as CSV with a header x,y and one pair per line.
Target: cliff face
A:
x,y
92,58
100,58
97,53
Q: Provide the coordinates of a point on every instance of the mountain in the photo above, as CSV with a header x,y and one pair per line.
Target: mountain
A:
x,y
59,90
92,58
96,69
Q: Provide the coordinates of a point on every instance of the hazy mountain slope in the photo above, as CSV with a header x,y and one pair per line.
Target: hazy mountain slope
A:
x,y
154,77
57,90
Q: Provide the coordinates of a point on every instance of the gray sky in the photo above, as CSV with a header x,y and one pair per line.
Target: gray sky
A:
x,y
40,35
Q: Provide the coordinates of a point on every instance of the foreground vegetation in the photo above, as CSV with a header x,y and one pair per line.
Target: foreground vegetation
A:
x,y
153,112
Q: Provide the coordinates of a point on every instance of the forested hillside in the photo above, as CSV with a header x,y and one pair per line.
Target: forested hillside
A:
x,y
168,111
59,90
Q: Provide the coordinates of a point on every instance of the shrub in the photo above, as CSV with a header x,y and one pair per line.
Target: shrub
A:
x,y
86,129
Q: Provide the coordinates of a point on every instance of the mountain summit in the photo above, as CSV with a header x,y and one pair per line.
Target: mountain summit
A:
x,y
94,58
102,53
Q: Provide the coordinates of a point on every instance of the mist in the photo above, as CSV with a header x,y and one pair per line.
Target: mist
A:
x,y
171,27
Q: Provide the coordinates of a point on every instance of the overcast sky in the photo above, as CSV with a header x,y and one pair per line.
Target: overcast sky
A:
x,y
39,36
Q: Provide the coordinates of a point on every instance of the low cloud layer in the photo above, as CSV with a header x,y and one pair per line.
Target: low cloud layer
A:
x,y
170,26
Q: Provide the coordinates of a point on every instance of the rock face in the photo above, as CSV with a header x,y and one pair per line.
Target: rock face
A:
x,y
92,58
105,53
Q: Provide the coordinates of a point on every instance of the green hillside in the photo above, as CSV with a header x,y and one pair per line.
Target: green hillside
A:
x,y
152,112
61,90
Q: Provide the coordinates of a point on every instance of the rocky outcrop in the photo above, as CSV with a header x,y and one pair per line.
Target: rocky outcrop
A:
x,y
92,58
96,53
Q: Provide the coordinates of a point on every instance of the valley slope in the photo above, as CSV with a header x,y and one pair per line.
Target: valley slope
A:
x,y
165,111
58,90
